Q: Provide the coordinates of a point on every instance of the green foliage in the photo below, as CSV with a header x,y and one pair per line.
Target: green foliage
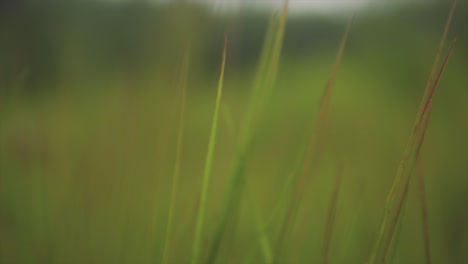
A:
x,y
126,157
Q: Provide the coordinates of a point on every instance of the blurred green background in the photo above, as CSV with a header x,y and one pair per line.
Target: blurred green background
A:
x,y
88,126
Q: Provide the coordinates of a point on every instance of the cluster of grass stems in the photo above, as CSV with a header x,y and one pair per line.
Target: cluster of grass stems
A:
x,y
274,241
274,246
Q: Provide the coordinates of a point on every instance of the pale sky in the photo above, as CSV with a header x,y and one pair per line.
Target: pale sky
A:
x,y
295,6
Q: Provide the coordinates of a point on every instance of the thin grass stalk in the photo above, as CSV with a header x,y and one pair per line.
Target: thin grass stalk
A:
x,y
282,198
275,60
331,217
398,221
295,252
420,111
265,76
439,52
265,60
229,120
424,123
424,214
389,249
426,94
311,152
264,241
402,206
284,194
417,139
264,86
395,222
232,201
394,246
176,173
208,166
262,92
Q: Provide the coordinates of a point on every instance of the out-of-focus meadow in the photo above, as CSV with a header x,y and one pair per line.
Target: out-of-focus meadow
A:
x,y
90,103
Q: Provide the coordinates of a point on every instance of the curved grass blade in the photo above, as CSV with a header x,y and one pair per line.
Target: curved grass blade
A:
x,y
229,120
439,53
416,128
313,142
267,70
404,172
331,217
402,206
175,176
264,241
424,122
424,214
208,166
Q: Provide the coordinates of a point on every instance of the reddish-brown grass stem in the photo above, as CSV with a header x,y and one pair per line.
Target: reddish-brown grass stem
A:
x,y
331,216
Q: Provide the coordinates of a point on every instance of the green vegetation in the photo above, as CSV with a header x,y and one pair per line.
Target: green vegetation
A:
x,y
208,165
122,143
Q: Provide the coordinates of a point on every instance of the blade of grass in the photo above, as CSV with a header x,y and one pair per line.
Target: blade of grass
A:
x,y
286,190
401,208
281,200
265,78
296,252
265,60
427,89
394,246
331,217
403,204
424,122
272,45
439,52
424,215
175,176
229,120
208,166
403,172
311,152
264,241
406,154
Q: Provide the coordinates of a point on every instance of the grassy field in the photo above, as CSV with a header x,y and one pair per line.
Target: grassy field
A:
x,y
293,162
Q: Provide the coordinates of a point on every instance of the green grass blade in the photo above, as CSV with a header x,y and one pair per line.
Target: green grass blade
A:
x,y
175,176
271,74
440,49
426,94
331,217
397,222
424,214
312,146
208,166
284,194
265,77
394,247
425,122
265,59
268,65
228,120
411,153
264,96
407,153
264,241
